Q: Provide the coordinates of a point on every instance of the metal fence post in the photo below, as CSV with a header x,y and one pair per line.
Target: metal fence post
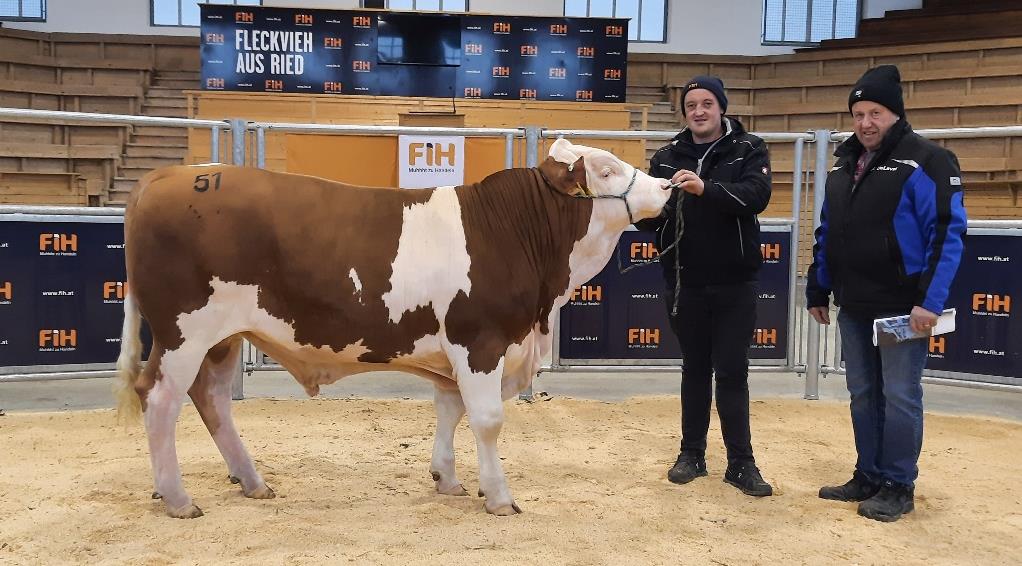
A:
x,y
261,147
509,151
796,237
238,128
532,146
214,145
822,141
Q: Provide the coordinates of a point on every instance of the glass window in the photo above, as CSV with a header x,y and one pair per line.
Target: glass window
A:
x,y
186,12
424,5
808,22
22,10
647,18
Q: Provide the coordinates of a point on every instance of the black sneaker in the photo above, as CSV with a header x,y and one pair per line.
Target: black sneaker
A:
x,y
688,467
746,477
859,488
890,503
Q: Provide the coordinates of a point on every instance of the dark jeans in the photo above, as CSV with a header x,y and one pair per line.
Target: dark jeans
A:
x,y
714,327
886,400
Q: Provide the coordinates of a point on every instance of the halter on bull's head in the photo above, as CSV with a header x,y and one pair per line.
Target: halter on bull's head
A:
x,y
588,172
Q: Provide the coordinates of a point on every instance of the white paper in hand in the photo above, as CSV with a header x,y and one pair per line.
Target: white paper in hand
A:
x,y
895,329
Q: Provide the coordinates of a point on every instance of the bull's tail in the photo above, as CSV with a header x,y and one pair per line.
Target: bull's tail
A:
x,y
129,363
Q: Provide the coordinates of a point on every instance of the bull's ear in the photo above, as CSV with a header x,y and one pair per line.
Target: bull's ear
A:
x,y
564,177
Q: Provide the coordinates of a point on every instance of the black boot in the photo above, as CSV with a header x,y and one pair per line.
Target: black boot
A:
x,y
890,503
688,467
746,477
859,488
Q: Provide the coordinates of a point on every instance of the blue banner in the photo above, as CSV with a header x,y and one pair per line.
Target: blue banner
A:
x,y
62,288
988,335
269,49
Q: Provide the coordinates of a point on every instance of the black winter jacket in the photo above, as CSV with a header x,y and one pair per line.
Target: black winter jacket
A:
x,y
894,240
720,243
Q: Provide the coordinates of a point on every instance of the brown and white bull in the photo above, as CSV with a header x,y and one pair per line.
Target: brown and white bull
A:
x,y
460,285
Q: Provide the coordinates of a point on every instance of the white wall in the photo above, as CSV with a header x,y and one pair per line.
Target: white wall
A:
x,y
876,8
723,27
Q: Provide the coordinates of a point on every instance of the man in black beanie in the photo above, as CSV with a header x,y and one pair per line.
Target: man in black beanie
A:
x,y
723,179
889,244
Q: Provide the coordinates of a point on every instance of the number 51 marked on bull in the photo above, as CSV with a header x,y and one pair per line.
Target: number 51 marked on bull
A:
x,y
202,182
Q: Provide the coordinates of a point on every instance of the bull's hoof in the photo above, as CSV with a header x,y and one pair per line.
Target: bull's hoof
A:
x,y
234,479
504,510
157,496
189,511
263,492
445,488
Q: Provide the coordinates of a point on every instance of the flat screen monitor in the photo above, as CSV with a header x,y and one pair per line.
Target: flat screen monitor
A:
x,y
418,39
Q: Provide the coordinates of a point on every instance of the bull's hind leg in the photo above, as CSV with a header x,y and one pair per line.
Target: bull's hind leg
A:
x,y
449,410
211,394
171,374
481,393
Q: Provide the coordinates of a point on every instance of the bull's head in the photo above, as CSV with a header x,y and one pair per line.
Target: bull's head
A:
x,y
595,173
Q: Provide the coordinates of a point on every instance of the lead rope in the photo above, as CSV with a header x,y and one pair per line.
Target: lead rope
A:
x,y
680,223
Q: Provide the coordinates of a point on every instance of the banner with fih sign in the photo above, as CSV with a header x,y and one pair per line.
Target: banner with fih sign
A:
x,y
267,49
430,161
62,288
987,339
622,319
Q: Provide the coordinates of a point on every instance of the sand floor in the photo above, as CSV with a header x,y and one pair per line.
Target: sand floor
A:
x,y
353,486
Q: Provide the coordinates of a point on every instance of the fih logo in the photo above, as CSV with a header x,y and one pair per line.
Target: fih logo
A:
x,y
215,82
643,250
584,95
587,293
333,42
473,49
993,304
643,336
473,92
558,29
502,72
361,66
361,21
433,152
587,52
6,291
274,84
60,243
114,290
331,86
303,19
527,93
529,50
770,251
765,336
612,74
558,73
501,27
615,31
244,17
938,346
215,38
58,338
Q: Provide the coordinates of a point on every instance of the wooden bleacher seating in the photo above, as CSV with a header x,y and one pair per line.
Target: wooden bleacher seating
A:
x,y
115,74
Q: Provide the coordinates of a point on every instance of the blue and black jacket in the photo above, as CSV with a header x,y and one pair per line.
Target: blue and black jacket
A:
x,y
894,239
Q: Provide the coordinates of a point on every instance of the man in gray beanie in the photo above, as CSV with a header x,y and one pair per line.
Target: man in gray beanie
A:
x,y
723,178
889,244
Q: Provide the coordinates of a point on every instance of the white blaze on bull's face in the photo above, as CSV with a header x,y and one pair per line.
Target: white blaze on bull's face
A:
x,y
607,175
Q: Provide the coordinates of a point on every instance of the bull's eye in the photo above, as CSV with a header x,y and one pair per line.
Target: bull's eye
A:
x,y
606,172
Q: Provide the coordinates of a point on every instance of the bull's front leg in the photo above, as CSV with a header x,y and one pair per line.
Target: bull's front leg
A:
x,y
481,393
449,410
